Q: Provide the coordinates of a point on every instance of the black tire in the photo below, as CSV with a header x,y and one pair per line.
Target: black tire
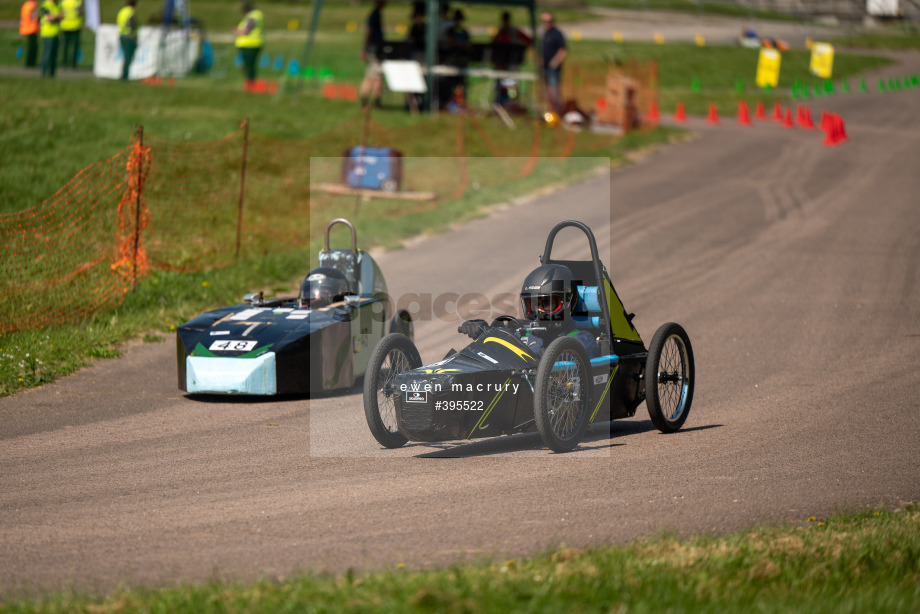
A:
x,y
669,373
562,398
392,355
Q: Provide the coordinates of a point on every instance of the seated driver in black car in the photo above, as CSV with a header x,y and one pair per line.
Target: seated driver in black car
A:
x,y
321,287
548,298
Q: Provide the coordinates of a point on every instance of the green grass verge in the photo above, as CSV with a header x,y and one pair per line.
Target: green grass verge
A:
x,y
908,38
859,563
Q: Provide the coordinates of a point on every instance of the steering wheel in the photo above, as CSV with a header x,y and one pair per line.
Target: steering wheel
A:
x,y
506,321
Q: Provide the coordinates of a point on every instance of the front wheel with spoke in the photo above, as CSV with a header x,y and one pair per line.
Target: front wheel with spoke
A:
x,y
669,377
562,394
394,354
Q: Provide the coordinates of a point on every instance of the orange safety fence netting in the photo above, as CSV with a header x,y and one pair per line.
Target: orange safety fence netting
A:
x,y
61,260
174,205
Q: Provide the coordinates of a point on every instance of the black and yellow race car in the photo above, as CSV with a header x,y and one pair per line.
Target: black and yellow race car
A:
x,y
320,340
575,358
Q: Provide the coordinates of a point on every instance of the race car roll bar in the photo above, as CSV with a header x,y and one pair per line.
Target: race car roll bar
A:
x,y
598,265
354,236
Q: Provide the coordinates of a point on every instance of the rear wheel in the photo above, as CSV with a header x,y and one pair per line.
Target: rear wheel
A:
x,y
562,395
669,375
394,354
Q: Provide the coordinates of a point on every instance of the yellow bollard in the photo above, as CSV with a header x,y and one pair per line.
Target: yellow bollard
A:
x,y
700,40
659,38
617,36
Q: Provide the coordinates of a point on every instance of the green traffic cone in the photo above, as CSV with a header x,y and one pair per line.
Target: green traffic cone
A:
x,y
739,86
695,85
828,87
862,86
881,85
845,86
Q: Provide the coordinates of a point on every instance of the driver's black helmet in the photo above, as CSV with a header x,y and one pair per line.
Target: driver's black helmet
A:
x,y
321,287
548,293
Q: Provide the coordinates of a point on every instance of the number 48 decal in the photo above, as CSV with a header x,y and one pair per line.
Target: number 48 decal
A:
x,y
228,345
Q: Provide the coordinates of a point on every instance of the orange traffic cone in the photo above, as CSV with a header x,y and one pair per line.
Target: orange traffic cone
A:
x,y
653,115
680,115
759,113
787,121
744,117
777,112
713,115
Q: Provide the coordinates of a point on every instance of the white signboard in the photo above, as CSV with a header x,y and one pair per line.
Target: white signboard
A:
x,y
174,56
886,8
404,76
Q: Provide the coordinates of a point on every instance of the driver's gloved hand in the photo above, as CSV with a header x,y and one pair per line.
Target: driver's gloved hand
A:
x,y
472,328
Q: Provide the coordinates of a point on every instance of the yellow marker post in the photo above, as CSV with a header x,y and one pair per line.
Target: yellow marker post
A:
x,y
617,36
659,38
401,29
822,60
809,43
492,31
351,26
576,35
700,40
293,24
768,64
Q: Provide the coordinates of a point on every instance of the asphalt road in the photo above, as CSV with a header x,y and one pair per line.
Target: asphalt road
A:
x,y
794,267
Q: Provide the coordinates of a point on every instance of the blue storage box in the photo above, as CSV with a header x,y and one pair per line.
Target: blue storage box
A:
x,y
372,168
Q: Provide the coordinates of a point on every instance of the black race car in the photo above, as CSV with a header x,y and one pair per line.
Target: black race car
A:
x,y
574,360
320,340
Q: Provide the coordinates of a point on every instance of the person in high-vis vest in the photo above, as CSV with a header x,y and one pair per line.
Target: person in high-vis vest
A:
x,y
71,25
49,17
249,39
127,35
28,28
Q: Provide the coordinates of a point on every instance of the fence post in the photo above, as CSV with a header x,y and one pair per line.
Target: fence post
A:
x,y
138,154
239,213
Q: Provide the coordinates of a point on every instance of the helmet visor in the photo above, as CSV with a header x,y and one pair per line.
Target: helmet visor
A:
x,y
546,305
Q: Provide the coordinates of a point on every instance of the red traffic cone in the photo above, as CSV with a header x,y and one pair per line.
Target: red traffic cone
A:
x,y
777,112
842,131
759,112
825,120
744,116
807,122
787,120
835,133
713,115
653,115
679,114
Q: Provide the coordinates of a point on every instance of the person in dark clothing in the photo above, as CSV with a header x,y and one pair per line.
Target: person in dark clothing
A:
x,y
373,42
554,54
504,55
